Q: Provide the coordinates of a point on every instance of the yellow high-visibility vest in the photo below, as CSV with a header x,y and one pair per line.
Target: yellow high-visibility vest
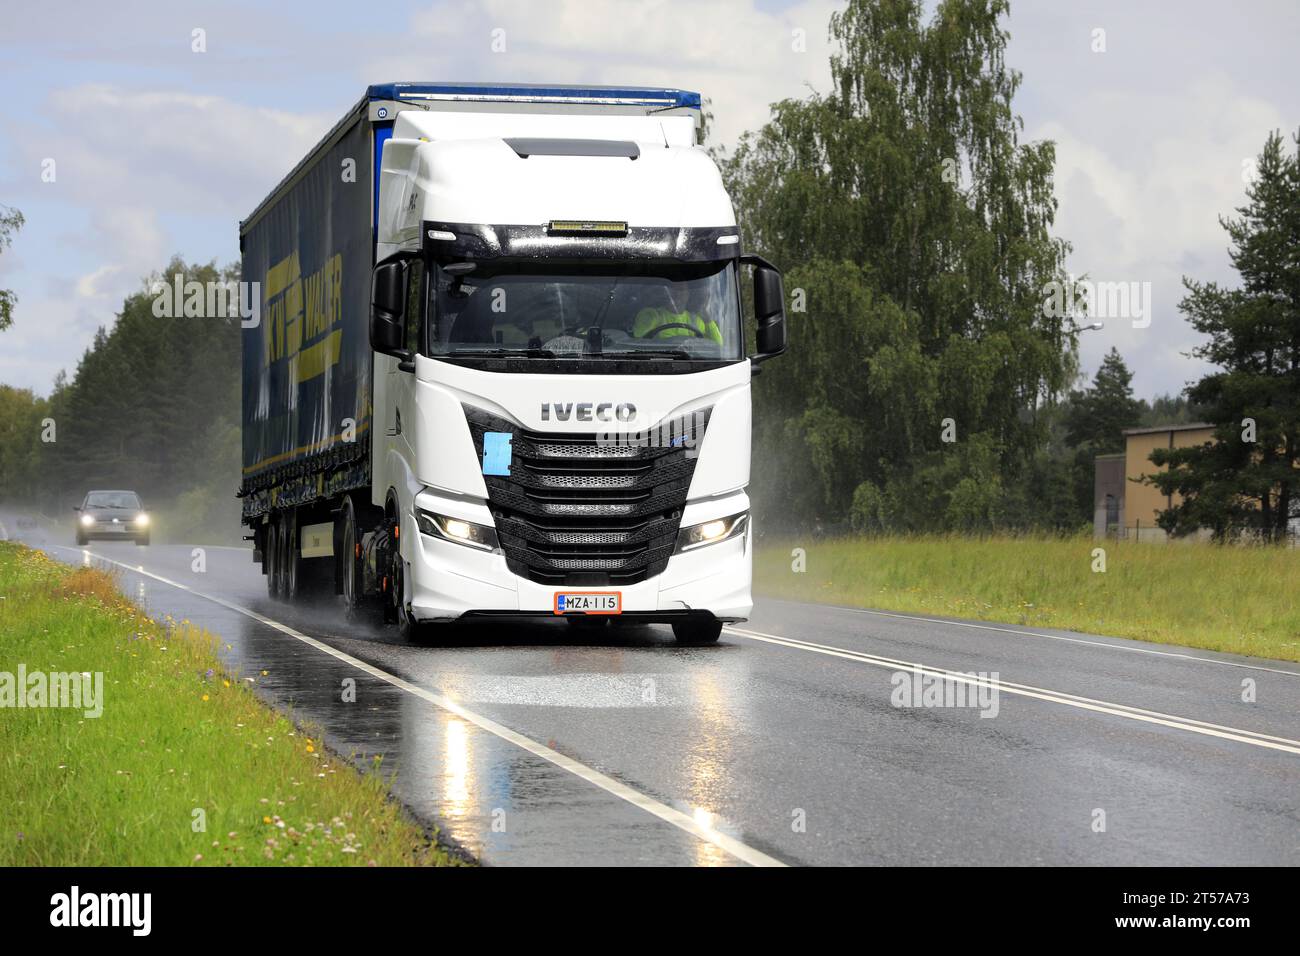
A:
x,y
647,320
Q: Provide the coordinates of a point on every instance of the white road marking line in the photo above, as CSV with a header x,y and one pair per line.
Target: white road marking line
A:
x,y
1050,637
683,821
1255,738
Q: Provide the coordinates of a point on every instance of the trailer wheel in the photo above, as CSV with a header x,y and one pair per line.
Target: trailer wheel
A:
x,y
272,559
291,586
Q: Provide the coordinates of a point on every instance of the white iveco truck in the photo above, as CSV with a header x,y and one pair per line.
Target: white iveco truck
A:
x,y
500,366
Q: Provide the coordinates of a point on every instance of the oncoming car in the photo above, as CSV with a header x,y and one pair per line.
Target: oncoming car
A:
x,y
112,514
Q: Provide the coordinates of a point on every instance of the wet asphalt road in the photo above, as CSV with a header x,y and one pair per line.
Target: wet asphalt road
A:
x,y
545,744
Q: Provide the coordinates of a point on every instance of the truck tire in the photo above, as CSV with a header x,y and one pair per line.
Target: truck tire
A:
x,y
347,570
695,631
409,629
272,559
291,585
392,588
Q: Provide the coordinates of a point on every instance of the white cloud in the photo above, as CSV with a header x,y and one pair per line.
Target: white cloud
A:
x,y
1140,196
171,152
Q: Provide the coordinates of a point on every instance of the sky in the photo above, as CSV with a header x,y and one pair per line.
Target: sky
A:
x,y
159,147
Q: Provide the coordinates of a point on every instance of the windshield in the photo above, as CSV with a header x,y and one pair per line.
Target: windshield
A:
x,y
125,500
624,310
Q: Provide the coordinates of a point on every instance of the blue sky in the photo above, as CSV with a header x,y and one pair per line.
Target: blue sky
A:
x,y
160,149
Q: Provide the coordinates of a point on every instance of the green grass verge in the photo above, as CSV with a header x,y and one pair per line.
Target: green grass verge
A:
x,y
185,766
1245,600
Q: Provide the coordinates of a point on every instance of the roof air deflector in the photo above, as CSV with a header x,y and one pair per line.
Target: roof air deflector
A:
x,y
525,147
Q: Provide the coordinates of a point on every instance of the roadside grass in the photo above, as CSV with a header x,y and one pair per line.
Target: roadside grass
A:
x,y
1240,599
185,766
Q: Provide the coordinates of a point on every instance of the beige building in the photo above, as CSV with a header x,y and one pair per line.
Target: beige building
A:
x,y
1122,505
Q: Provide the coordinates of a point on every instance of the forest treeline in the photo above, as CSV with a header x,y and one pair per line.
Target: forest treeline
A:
x,y
153,406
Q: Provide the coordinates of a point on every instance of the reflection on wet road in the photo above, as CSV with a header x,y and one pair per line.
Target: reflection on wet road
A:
x,y
547,744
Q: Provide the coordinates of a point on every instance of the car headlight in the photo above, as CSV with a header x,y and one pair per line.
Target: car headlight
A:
x,y
711,532
142,520
458,530
87,520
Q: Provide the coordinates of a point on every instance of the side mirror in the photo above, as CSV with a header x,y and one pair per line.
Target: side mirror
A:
x,y
769,308
388,309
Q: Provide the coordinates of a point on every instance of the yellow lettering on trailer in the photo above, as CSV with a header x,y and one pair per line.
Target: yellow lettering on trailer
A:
x,y
298,311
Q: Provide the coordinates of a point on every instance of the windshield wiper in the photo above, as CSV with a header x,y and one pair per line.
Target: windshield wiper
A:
x,y
526,353
652,353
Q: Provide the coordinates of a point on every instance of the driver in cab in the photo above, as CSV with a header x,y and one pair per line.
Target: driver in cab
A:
x,y
655,323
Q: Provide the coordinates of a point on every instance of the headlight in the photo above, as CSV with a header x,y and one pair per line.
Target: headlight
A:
x,y
87,520
711,532
457,530
142,520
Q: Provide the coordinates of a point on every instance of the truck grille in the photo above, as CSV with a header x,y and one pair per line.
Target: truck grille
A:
x,y
578,511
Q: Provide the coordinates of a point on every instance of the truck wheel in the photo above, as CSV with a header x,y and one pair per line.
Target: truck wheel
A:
x,y
697,630
409,629
292,583
272,559
348,569
81,540
393,590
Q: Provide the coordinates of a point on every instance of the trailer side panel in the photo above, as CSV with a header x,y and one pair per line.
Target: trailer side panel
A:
x,y
307,361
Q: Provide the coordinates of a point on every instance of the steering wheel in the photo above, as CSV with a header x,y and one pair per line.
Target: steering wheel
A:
x,y
674,325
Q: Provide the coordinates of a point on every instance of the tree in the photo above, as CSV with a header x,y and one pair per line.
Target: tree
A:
x,y
916,228
1170,410
11,220
1098,416
1092,423
21,413
150,400
1248,478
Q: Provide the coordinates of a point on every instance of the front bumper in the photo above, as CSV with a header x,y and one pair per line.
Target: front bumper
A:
x,y
100,533
448,581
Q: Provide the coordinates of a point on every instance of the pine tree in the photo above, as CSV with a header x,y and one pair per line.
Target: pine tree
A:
x,y
1248,478
1097,417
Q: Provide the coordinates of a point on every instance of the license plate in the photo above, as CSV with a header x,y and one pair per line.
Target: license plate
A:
x,y
588,602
